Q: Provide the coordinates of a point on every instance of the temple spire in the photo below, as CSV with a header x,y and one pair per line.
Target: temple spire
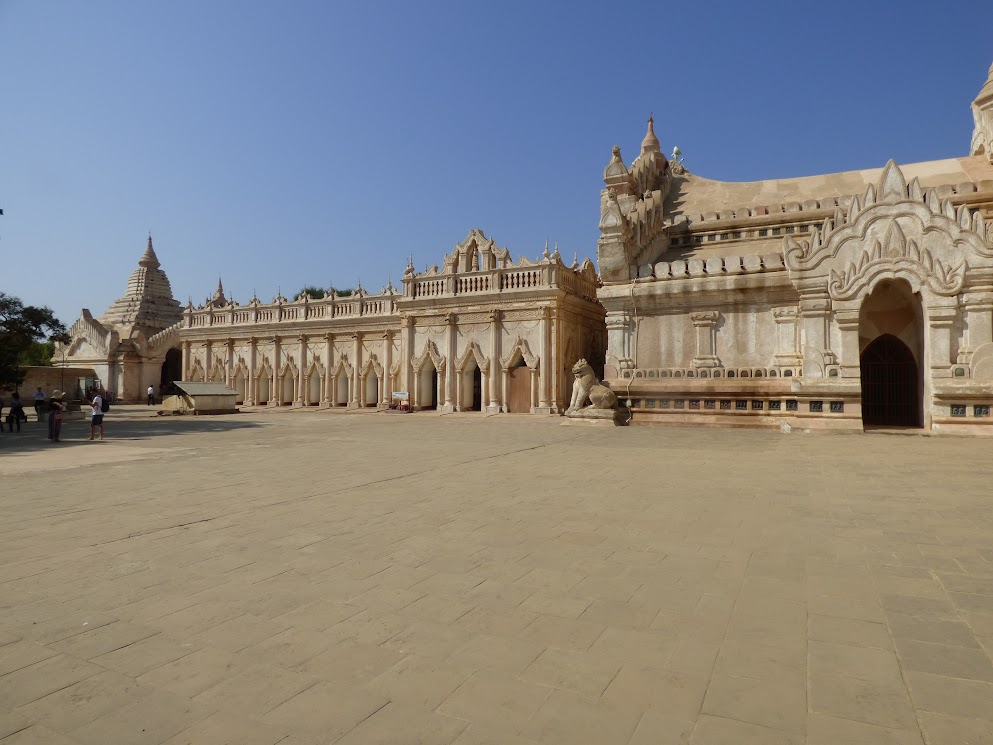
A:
x,y
651,143
148,259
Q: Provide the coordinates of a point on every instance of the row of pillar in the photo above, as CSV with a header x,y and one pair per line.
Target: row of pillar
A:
x,y
450,394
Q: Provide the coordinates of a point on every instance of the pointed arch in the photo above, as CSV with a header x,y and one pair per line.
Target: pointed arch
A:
x,y
314,382
340,366
217,371
289,367
430,350
196,372
474,351
520,347
265,368
316,366
372,363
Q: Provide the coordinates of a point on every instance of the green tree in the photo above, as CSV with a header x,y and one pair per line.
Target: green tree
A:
x,y
38,354
22,326
316,293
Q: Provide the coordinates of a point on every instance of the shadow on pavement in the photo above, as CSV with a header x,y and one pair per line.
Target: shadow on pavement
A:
x,y
34,435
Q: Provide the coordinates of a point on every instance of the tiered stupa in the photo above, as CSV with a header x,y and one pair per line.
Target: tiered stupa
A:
x,y
148,305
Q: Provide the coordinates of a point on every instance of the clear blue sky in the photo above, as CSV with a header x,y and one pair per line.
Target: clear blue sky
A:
x,y
303,142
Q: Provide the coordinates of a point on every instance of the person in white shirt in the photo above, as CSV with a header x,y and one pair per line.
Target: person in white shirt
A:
x,y
39,400
151,395
96,416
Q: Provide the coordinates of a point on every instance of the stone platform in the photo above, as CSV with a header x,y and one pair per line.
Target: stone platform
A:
x,y
301,577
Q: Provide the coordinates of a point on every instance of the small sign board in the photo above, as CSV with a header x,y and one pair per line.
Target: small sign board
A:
x,y
401,401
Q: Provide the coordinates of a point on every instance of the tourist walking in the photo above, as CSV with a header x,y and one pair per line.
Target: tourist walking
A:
x,y
151,395
96,416
55,416
39,401
16,412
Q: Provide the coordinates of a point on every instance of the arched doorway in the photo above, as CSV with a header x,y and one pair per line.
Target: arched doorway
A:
x,y
262,389
372,389
286,387
341,390
172,370
427,392
240,387
890,385
314,388
891,340
472,389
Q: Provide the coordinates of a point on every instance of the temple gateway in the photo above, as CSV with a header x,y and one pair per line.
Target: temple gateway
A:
x,y
848,300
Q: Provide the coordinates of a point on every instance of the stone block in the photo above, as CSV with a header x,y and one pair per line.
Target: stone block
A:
x,y
773,261
714,265
662,270
695,267
678,268
732,264
752,263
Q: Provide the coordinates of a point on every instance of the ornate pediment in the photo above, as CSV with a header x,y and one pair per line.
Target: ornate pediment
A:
x,y
474,351
430,350
893,222
520,347
341,366
316,366
895,254
372,363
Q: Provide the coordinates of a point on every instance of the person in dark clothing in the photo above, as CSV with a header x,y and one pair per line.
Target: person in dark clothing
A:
x,y
16,413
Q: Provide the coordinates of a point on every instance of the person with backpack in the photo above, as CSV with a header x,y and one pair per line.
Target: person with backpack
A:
x,y
98,407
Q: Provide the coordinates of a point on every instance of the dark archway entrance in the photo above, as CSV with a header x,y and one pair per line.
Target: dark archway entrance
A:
x,y
172,370
477,390
890,384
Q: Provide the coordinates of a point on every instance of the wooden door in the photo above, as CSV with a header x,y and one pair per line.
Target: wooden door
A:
x,y
519,390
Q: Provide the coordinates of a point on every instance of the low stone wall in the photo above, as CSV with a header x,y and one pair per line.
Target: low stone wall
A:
x,y
49,379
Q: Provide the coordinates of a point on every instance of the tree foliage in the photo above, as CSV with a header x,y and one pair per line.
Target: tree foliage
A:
x,y
21,327
38,354
316,293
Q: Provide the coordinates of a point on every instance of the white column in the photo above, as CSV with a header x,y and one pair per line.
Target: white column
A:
x,y
276,384
386,385
495,377
544,369
301,370
252,385
326,392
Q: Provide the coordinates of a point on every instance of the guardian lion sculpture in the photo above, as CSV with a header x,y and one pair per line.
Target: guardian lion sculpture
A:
x,y
586,386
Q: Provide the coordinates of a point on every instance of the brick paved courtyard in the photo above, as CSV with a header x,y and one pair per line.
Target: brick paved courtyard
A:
x,y
318,577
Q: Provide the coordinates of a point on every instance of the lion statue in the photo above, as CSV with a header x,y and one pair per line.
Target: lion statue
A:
x,y
586,386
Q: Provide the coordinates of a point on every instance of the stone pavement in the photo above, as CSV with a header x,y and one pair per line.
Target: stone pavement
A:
x,y
317,577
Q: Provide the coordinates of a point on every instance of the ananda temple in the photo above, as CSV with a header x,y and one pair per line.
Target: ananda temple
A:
x,y
845,301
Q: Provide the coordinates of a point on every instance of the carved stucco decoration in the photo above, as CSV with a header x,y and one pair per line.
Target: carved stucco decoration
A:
x,y
217,368
196,372
371,363
341,365
474,351
430,350
288,367
894,230
897,255
316,366
520,345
